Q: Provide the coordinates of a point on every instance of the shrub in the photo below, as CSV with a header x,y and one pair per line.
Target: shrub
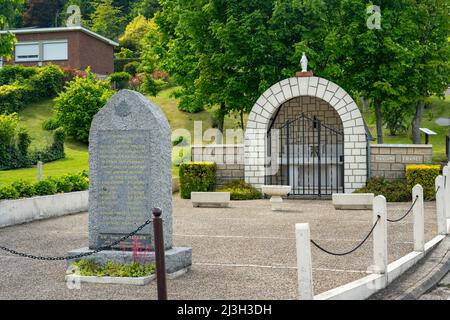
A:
x,y
25,189
197,177
76,106
425,175
136,82
46,187
50,186
43,82
120,80
394,191
240,190
54,152
49,81
64,185
86,267
151,86
8,192
71,73
79,182
11,99
50,124
131,67
10,74
14,142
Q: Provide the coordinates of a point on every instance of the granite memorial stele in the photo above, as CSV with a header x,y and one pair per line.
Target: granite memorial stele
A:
x,y
130,173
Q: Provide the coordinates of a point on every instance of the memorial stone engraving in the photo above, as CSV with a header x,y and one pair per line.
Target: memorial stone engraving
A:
x,y
129,170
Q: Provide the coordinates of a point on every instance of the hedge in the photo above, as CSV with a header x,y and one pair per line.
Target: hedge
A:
x,y
197,177
49,186
10,74
394,191
425,175
15,141
43,82
240,190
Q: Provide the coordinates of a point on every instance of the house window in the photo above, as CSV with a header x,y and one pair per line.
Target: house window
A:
x,y
42,51
27,52
55,50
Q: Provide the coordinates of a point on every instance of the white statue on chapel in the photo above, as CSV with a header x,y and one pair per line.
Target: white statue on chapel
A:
x,y
304,63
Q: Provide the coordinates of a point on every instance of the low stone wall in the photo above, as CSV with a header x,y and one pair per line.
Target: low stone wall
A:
x,y
387,160
20,211
229,160
390,160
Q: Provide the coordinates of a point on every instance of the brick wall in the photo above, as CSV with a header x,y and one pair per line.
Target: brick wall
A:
x,y
390,161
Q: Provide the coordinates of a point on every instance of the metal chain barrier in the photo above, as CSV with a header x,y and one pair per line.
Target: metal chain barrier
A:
x,y
78,256
406,214
351,251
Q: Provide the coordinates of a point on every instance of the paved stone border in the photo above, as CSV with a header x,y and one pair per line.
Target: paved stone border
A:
x,y
140,281
137,281
355,142
364,288
420,279
20,211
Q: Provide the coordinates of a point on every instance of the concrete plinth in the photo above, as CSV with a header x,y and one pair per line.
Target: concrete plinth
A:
x,y
177,258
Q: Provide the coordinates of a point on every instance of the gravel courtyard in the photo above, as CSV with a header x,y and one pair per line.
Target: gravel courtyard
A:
x,y
242,252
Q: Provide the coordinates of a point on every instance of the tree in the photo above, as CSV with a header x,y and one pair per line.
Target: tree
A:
x,y
9,10
361,58
429,70
135,33
107,19
76,106
146,8
42,13
225,53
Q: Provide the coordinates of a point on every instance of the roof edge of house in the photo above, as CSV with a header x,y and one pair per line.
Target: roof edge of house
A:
x,y
61,29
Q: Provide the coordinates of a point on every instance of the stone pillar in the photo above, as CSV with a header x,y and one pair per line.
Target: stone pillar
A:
x,y
304,263
440,213
380,247
419,219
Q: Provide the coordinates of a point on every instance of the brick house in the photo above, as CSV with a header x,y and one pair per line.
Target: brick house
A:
x,y
74,47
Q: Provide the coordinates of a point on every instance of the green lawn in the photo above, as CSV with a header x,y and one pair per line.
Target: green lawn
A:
x,y
440,108
77,153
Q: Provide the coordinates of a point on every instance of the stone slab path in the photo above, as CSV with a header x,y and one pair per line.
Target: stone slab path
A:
x,y
242,252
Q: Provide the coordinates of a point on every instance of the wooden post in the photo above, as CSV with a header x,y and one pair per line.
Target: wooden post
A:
x,y
304,263
419,219
380,247
160,256
440,212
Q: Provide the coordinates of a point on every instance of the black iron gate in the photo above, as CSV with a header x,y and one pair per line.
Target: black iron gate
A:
x,y
309,157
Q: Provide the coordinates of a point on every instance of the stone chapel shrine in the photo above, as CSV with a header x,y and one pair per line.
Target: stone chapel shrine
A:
x,y
308,133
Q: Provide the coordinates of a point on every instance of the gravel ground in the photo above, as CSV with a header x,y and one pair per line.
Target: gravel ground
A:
x,y
242,252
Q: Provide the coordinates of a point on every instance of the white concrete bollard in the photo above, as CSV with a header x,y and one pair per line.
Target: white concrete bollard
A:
x,y
440,213
304,263
419,219
39,170
446,174
380,247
